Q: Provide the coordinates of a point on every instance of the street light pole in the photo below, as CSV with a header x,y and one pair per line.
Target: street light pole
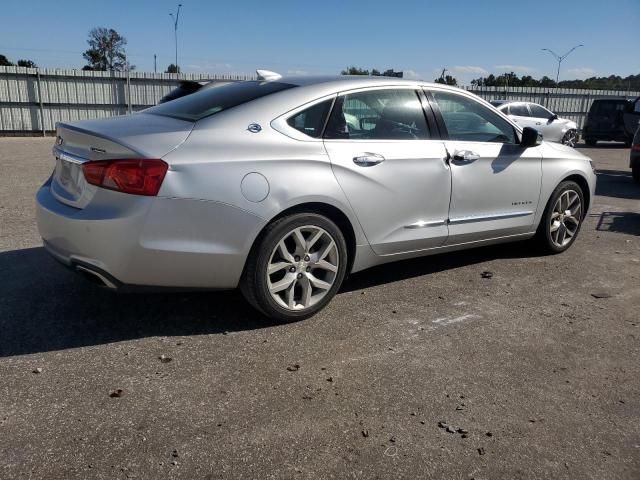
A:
x,y
560,58
175,18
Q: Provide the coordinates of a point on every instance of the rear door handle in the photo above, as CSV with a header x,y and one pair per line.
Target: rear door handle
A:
x,y
465,156
368,159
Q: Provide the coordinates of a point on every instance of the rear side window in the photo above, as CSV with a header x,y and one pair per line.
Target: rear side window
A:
x,y
378,115
468,120
311,121
519,110
211,101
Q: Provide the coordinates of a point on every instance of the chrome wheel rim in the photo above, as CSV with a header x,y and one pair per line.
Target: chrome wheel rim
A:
x,y
303,267
570,138
565,218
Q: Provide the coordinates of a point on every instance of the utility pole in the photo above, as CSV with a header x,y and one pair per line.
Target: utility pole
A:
x,y
175,18
155,64
560,58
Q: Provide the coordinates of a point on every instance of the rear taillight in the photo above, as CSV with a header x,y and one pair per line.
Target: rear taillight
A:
x,y
136,176
636,147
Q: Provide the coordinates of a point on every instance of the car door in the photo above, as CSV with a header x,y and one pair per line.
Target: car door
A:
x,y
632,117
544,122
391,166
495,183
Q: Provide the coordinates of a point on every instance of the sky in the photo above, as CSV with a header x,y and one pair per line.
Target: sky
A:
x,y
468,38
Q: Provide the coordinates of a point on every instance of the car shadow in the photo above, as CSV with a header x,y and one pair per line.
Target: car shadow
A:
x,y
618,222
45,307
618,184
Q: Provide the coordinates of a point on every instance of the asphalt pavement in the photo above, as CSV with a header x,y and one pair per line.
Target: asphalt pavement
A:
x,y
419,369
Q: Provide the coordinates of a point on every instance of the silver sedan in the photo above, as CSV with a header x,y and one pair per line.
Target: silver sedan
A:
x,y
552,127
282,186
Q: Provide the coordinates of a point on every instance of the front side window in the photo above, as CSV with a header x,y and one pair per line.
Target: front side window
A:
x,y
539,112
378,115
210,101
469,120
311,121
519,110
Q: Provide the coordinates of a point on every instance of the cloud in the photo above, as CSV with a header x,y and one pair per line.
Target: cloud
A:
x,y
411,74
582,72
208,67
514,68
469,69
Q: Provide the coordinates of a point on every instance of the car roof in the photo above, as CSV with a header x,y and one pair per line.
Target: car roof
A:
x,y
351,81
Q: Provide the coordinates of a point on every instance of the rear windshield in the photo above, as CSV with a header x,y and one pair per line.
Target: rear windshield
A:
x,y
211,101
608,106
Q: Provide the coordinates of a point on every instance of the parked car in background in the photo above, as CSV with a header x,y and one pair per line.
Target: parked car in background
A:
x,y
612,120
634,160
528,114
283,186
187,87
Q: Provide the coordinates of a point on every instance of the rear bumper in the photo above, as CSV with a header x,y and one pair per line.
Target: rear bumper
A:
x,y
149,241
618,134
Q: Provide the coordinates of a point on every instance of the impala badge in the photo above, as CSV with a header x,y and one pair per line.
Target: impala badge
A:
x,y
254,127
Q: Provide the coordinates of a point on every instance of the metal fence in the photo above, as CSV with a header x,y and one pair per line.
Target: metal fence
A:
x,y
571,103
32,100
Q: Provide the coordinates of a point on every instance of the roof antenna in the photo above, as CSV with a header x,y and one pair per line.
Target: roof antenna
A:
x,y
268,75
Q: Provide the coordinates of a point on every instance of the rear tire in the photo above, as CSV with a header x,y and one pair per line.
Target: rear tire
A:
x,y
296,267
590,141
562,218
635,172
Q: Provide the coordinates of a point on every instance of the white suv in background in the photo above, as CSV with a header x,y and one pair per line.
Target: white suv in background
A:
x,y
552,128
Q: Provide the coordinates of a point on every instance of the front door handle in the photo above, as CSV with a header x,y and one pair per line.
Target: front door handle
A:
x,y
368,159
465,156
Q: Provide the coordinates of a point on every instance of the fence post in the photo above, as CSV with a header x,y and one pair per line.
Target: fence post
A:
x,y
128,90
44,134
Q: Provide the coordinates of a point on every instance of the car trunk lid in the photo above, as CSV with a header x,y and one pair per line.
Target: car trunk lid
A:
x,y
132,136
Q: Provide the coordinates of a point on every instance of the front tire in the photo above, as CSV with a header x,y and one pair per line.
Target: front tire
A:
x,y
562,218
570,138
296,267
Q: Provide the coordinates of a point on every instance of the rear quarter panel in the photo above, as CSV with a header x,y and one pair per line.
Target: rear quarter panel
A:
x,y
218,155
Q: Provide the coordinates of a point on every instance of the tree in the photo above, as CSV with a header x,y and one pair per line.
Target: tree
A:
x,y
373,72
4,61
447,80
106,50
354,71
27,63
172,69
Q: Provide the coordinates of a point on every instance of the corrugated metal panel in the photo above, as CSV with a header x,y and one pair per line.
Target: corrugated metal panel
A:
x,y
77,95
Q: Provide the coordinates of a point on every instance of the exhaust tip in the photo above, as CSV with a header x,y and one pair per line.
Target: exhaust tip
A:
x,y
95,277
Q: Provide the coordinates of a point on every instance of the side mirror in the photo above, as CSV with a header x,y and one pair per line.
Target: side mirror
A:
x,y
553,117
530,137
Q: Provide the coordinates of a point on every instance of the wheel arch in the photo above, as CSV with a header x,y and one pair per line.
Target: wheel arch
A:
x,y
333,213
584,185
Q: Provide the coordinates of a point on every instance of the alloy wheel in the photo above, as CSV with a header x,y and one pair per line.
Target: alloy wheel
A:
x,y
570,138
565,218
302,267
